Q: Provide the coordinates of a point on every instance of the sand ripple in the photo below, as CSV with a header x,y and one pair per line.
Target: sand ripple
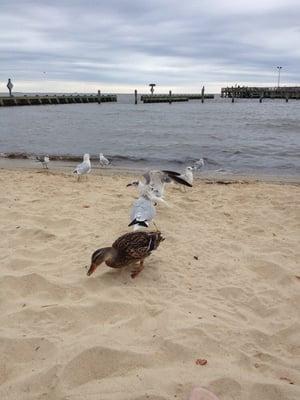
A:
x,y
222,287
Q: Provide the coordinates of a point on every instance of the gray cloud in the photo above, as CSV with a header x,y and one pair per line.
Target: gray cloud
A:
x,y
121,44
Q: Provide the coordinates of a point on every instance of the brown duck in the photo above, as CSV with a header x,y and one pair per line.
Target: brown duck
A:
x,y
130,248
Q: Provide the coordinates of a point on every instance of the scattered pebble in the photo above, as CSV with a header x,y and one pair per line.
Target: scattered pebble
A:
x,y
201,361
285,378
36,349
196,257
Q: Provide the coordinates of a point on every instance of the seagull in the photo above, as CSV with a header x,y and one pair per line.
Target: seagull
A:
x,y
154,182
142,213
103,160
198,164
83,168
44,160
186,178
152,186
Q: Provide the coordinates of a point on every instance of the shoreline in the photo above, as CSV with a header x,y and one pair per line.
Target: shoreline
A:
x,y
208,176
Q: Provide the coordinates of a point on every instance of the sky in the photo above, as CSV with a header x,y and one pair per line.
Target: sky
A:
x,y
121,45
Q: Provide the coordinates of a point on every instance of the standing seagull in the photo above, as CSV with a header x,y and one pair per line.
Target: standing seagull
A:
x,y
198,164
103,160
83,168
142,212
44,160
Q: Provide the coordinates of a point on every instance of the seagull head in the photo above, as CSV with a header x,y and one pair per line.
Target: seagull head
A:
x,y
86,157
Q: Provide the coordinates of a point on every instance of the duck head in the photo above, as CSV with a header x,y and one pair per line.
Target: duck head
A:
x,y
99,256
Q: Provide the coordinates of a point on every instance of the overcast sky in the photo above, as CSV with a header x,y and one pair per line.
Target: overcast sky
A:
x,y
122,45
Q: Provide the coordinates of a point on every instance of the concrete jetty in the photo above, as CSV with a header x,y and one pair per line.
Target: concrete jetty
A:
x,y
35,100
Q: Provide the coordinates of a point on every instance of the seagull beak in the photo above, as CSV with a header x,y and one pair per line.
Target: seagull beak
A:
x,y
91,269
129,184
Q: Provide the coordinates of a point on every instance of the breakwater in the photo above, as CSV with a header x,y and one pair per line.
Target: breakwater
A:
x,y
35,100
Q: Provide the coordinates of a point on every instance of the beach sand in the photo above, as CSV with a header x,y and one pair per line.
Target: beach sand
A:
x,y
223,286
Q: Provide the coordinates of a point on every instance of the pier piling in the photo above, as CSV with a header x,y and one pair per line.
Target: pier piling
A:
x,y
135,97
170,96
99,96
202,94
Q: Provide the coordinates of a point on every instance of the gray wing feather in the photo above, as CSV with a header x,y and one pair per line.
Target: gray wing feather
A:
x,y
142,210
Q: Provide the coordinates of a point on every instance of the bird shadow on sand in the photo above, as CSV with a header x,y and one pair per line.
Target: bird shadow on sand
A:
x,y
121,276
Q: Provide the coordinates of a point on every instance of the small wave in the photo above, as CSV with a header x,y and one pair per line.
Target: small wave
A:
x,y
115,159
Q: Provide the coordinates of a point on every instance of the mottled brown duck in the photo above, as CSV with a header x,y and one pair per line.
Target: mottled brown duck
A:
x,y
130,248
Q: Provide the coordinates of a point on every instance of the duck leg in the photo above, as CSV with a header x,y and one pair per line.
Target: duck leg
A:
x,y
135,272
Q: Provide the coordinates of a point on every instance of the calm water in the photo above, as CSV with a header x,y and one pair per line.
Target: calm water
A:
x,y
244,138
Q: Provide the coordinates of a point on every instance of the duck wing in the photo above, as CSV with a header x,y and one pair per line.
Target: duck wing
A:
x,y
137,245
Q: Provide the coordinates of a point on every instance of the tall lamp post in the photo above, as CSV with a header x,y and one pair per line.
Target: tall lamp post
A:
x,y
278,81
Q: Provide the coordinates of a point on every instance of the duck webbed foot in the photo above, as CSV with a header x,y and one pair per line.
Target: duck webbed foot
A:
x,y
135,272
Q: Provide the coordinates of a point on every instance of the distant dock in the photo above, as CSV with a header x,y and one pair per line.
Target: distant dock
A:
x,y
166,98
249,92
36,100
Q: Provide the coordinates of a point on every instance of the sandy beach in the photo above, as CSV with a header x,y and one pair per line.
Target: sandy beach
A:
x,y
223,287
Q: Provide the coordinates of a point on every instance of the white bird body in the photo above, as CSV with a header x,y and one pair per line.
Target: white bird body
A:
x,y
103,160
188,175
85,167
153,185
44,160
142,213
198,164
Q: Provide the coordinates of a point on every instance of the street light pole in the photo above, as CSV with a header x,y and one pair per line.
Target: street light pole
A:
x,y
278,82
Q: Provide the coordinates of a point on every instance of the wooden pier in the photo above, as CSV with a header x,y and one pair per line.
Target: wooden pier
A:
x,y
162,99
36,100
166,98
247,92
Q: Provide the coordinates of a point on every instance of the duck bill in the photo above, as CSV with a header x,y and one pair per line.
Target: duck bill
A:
x,y
91,269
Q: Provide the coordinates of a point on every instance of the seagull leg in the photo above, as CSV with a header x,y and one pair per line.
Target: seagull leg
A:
x,y
155,226
135,272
